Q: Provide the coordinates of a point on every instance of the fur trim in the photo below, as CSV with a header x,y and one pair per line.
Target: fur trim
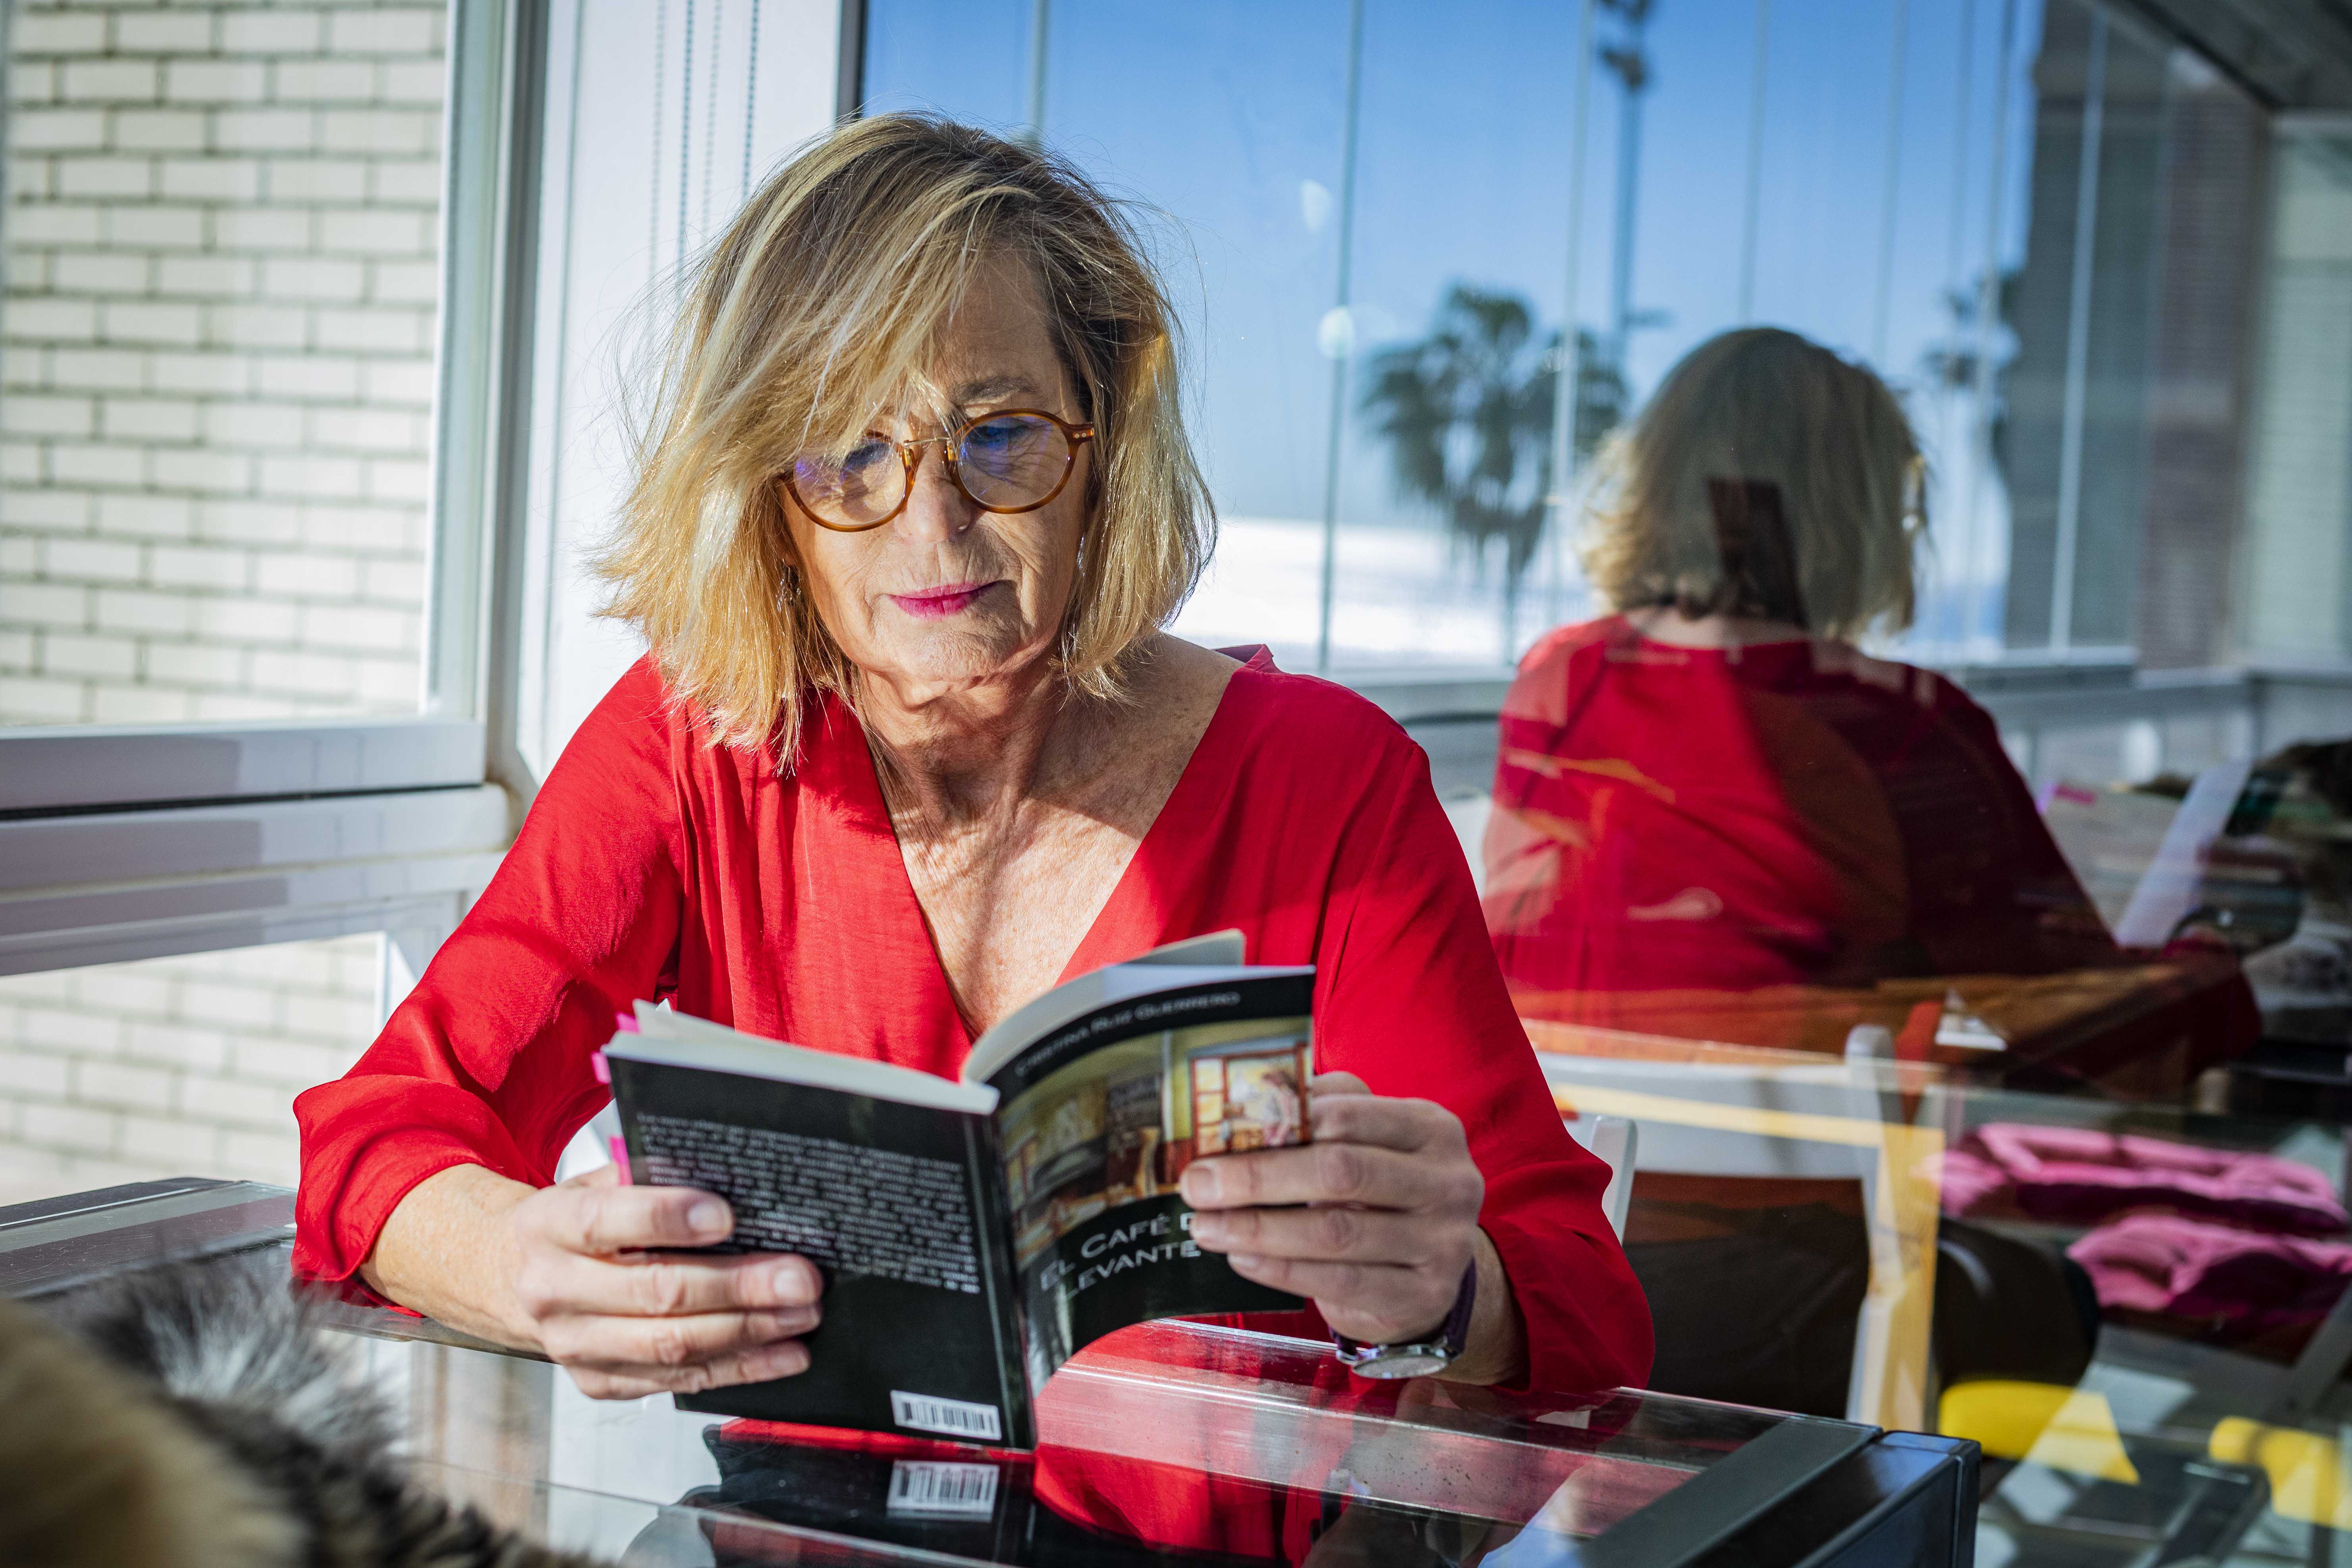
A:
x,y
234,1338
94,1473
218,1368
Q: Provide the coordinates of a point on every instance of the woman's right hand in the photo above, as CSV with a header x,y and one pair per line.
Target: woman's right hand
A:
x,y
627,1318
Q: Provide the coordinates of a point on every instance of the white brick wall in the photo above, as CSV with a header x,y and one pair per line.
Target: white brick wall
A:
x,y
215,378
174,1067
216,359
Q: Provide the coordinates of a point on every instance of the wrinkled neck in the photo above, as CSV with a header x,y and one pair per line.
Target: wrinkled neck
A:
x,y
961,757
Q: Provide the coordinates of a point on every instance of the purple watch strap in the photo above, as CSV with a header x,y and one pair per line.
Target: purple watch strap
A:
x,y
1454,1334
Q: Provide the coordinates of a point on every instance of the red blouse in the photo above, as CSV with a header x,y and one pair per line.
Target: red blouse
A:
x,y
1749,845
654,865
1792,813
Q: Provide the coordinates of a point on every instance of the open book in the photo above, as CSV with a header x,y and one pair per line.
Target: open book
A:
x,y
974,1234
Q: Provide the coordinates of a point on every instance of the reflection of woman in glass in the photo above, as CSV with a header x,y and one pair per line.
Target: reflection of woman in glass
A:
x,y
1715,816
1713,791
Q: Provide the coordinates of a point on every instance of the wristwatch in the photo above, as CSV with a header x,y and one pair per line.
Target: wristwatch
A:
x,y
1423,1357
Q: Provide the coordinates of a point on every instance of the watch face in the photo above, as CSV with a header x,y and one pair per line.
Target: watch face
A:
x,y
1415,1361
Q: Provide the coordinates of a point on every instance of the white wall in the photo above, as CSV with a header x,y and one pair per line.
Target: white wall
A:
x,y
217,347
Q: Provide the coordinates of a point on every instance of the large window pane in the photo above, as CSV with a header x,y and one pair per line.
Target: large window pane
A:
x,y
218,343
1858,205
2296,583
1432,567
1255,192
2038,223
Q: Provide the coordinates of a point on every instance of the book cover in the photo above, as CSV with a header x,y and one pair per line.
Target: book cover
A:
x,y
974,1235
1096,1122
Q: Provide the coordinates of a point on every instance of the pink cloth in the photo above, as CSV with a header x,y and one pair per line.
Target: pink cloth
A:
x,y
2071,1175
2190,1268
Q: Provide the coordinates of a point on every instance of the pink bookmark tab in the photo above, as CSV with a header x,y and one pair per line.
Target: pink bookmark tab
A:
x,y
600,1067
625,1022
620,1148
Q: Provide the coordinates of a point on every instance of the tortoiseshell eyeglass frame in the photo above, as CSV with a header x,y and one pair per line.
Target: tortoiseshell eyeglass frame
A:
x,y
910,453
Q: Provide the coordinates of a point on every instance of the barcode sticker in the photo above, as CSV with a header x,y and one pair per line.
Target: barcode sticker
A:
x,y
954,1416
932,1487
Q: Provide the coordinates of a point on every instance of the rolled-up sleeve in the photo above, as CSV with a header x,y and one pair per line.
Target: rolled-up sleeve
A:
x,y
487,1062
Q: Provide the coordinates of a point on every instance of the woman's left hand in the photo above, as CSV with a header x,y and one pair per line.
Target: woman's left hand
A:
x,y
1389,1221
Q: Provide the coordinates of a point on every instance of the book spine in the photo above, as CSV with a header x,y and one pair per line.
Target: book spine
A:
x,y
985,1164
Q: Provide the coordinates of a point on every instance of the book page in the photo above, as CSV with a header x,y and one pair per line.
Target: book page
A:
x,y
687,1041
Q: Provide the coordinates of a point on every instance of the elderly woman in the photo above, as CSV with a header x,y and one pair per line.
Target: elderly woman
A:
x,y
909,748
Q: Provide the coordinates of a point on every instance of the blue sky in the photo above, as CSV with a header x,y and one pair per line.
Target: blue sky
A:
x,y
1217,111
1228,115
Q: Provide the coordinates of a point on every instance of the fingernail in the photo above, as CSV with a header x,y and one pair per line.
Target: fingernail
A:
x,y
795,1284
709,1217
1242,1260
1208,1229
1201,1185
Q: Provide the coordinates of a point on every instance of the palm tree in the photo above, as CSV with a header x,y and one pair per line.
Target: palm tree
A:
x,y
1467,413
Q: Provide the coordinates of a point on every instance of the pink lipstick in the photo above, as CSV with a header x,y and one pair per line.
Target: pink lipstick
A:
x,y
935,604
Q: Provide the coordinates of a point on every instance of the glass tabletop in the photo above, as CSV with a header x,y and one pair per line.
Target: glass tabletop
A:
x,y
2142,1311
1177,1438
1172,1441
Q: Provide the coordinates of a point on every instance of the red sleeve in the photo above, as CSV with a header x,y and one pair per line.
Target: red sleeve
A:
x,y
487,1063
1414,1004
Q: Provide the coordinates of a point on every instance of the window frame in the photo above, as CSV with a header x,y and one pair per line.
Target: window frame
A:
x,y
145,841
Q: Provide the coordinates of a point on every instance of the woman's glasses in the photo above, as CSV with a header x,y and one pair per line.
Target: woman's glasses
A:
x,y
1014,461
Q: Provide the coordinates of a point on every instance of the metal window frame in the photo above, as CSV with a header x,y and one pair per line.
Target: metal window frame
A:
x,y
140,842
849,66
1455,714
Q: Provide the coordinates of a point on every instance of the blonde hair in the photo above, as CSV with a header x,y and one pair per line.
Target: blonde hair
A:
x,y
827,297
1749,409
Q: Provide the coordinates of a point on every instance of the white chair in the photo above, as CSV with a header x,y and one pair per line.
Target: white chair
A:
x,y
1613,1141
1823,1118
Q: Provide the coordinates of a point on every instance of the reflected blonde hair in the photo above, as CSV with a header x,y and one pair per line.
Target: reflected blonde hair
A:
x,y
823,304
1764,406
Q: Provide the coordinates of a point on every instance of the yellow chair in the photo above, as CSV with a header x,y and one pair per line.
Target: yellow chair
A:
x,y
2070,1429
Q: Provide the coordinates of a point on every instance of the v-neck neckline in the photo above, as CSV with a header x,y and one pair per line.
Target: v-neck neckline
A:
x,y
1114,918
